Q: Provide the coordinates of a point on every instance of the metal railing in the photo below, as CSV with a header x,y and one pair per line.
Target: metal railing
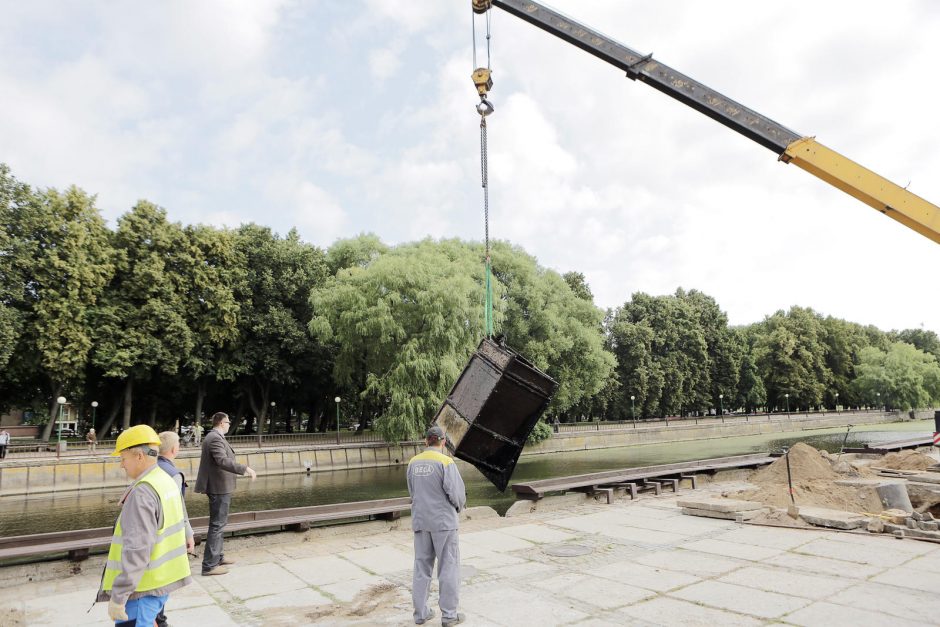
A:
x,y
619,425
32,449
20,450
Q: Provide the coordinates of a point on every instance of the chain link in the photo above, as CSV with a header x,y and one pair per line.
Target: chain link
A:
x,y
484,175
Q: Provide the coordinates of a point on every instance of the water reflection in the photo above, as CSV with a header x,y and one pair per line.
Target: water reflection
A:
x,y
98,508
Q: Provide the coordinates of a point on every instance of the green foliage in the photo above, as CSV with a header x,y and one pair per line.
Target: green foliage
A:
x,y
790,354
903,376
403,327
355,252
541,432
555,328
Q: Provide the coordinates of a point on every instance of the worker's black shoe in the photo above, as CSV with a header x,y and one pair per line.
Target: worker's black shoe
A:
x,y
426,618
447,622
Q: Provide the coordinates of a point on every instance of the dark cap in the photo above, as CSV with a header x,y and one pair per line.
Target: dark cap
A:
x,y
434,432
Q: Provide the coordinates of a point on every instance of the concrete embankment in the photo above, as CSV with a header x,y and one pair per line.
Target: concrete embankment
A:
x,y
49,475
628,563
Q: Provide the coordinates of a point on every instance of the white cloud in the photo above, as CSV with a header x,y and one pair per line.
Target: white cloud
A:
x,y
349,117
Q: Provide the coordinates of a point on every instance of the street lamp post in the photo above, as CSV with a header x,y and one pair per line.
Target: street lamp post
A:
x,y
337,399
837,404
94,407
878,394
633,410
721,407
58,448
787,396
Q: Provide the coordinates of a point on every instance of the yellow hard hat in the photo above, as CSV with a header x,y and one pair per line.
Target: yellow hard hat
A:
x,y
135,436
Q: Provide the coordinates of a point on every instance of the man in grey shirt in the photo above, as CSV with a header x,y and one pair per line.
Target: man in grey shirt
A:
x,y
437,496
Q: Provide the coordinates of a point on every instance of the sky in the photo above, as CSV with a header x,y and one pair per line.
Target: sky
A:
x,y
340,118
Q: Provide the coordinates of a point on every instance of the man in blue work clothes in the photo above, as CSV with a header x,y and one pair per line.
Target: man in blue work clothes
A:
x,y
437,496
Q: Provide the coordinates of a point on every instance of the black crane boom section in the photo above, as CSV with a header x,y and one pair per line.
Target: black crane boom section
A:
x,y
644,68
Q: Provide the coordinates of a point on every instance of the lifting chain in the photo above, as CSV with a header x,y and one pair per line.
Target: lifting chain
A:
x,y
482,79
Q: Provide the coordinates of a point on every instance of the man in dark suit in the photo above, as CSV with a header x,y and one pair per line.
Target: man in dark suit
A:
x,y
216,478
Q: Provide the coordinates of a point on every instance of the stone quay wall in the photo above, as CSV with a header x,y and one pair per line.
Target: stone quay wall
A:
x,y
37,476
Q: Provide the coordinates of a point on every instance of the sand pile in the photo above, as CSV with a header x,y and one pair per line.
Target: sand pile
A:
x,y
906,460
813,484
806,464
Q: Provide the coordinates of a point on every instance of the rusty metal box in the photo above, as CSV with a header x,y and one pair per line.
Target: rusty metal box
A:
x,y
492,409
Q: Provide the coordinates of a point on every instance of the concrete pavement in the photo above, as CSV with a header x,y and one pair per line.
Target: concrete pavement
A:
x,y
629,563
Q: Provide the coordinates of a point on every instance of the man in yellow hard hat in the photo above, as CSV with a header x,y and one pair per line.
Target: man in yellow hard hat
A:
x,y
147,559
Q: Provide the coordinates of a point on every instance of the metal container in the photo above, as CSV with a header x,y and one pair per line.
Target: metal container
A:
x,y
492,409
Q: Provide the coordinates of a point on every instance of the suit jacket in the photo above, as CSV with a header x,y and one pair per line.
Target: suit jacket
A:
x,y
217,466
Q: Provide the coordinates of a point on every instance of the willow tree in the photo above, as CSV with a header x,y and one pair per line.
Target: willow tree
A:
x,y
403,326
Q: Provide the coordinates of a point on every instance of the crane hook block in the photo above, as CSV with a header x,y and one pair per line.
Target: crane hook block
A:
x,y
481,6
482,78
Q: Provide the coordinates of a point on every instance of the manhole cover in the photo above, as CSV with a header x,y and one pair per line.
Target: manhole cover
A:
x,y
567,550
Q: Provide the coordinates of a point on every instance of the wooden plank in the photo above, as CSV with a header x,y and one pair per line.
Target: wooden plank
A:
x,y
77,543
560,484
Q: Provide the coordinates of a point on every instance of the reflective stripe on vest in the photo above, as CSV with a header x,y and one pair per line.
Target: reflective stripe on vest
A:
x,y
168,560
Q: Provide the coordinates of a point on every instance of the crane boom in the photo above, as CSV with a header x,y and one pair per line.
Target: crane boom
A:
x,y
791,147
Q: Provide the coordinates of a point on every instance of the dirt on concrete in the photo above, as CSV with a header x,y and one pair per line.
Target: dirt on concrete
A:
x,y
813,481
907,460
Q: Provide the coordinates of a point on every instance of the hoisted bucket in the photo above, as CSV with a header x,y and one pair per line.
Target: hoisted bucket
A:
x,y
492,409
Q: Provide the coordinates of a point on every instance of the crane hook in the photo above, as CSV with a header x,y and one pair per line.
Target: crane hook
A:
x,y
485,107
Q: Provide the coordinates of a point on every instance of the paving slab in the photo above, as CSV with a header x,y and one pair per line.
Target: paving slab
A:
x,y
193,595
304,597
822,614
642,536
381,560
832,518
673,612
491,541
825,566
891,601
643,576
318,571
772,538
884,555
51,610
740,599
714,504
929,563
245,582
200,617
674,524
704,513
788,582
603,593
691,562
505,605
490,560
537,533
348,589
731,549
904,577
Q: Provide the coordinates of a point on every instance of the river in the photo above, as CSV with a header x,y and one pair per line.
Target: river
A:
x,y
21,515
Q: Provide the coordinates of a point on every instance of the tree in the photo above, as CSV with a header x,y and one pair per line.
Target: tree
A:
x,y
790,355
676,370
141,329
554,326
63,262
902,377
274,348
922,339
405,325
210,269
403,328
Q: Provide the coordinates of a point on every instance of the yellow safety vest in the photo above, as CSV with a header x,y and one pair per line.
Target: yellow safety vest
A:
x,y
168,559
